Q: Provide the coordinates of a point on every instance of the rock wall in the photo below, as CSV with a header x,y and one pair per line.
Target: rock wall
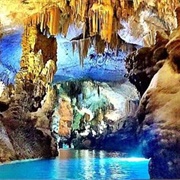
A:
x,y
25,134
27,106
143,63
159,116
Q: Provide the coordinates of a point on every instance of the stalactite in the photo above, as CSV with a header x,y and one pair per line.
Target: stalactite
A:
x,y
62,4
79,51
54,18
93,24
166,7
98,90
48,18
74,46
123,4
178,16
82,46
99,44
57,18
42,23
119,12
136,4
104,13
90,24
115,42
84,30
79,8
65,22
85,44
103,17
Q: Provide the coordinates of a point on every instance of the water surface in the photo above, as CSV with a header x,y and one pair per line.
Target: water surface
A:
x,y
80,165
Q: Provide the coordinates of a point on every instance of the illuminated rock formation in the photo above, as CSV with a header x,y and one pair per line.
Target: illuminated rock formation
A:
x,y
66,117
143,63
31,100
90,115
159,116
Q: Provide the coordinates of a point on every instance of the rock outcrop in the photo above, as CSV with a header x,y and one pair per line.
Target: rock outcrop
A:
x,y
66,117
25,134
27,106
143,63
159,116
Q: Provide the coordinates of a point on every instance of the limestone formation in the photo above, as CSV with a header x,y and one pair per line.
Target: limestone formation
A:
x,y
159,115
66,117
143,63
90,115
28,105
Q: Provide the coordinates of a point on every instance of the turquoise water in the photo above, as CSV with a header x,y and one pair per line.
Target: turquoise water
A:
x,y
80,165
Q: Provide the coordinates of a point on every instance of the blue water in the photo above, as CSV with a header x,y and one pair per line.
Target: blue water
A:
x,y
79,165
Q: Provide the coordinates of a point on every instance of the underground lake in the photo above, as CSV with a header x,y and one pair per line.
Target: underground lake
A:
x,y
78,165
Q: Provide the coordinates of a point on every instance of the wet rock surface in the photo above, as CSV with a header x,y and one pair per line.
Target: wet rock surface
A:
x,y
23,141
122,137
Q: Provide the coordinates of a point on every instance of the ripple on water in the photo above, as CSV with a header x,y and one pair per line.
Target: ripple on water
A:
x,y
80,165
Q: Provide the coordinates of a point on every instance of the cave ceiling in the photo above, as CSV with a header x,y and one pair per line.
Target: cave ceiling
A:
x,y
103,17
108,22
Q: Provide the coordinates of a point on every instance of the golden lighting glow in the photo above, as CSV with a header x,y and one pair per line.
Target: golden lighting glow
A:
x,y
102,19
101,16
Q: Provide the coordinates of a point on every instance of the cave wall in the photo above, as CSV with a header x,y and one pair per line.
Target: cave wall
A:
x,y
27,106
158,115
158,112
145,62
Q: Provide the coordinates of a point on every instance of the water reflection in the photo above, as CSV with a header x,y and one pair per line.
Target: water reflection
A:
x,y
80,165
71,153
105,165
